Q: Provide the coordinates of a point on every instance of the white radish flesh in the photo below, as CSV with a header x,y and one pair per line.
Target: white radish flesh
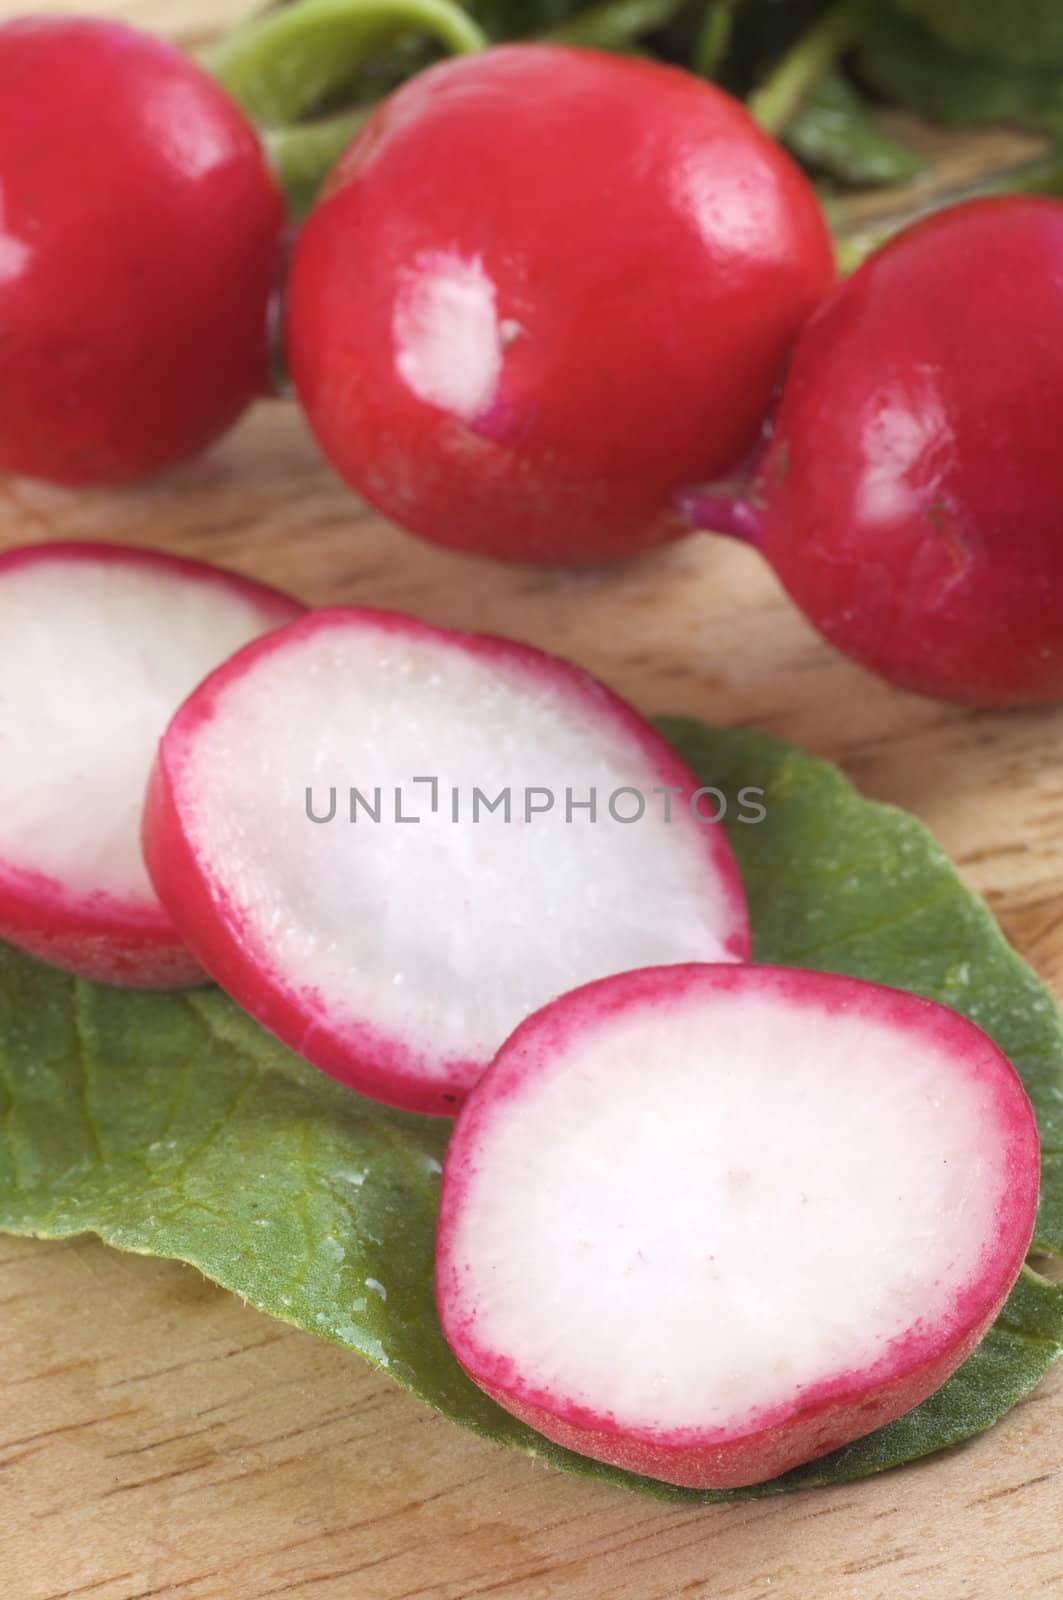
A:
x,y
708,1223
399,955
101,643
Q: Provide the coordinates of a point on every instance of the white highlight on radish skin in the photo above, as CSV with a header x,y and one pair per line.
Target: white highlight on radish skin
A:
x,y
444,936
692,1214
173,123
15,253
448,341
905,445
97,656
733,206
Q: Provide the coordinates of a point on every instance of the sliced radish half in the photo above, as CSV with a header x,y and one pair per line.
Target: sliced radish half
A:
x,y
707,1223
101,643
398,954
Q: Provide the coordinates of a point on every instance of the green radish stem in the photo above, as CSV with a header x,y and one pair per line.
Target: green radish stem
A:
x,y
714,37
281,66
613,26
285,64
303,154
791,81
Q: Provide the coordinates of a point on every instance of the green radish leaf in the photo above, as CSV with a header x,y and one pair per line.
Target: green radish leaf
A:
x,y
835,132
902,61
1023,33
172,1125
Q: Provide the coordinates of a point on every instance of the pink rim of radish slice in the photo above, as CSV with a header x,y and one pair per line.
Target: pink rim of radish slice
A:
x,y
101,643
398,956
707,1223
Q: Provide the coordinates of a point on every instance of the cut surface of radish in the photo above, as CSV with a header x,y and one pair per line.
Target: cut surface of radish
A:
x,y
397,955
101,643
707,1223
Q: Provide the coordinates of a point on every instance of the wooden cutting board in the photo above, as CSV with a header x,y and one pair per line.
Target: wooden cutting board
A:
x,y
158,1438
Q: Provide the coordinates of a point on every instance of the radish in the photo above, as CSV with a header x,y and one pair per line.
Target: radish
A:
x,y
101,644
546,288
139,241
910,497
706,1223
320,827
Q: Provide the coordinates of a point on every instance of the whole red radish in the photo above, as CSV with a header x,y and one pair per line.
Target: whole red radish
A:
x,y
912,493
389,843
707,1223
139,239
547,288
101,643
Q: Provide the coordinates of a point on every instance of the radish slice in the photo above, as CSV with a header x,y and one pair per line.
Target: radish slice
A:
x,y
706,1223
396,955
100,644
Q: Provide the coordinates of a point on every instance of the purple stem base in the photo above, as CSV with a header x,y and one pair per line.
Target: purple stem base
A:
x,y
713,510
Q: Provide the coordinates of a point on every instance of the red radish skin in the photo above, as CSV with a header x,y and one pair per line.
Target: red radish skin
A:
x,y
911,494
546,288
139,242
81,709
930,1126
397,958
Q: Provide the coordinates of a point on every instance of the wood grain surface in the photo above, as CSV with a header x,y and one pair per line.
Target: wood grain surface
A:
x,y
159,1439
